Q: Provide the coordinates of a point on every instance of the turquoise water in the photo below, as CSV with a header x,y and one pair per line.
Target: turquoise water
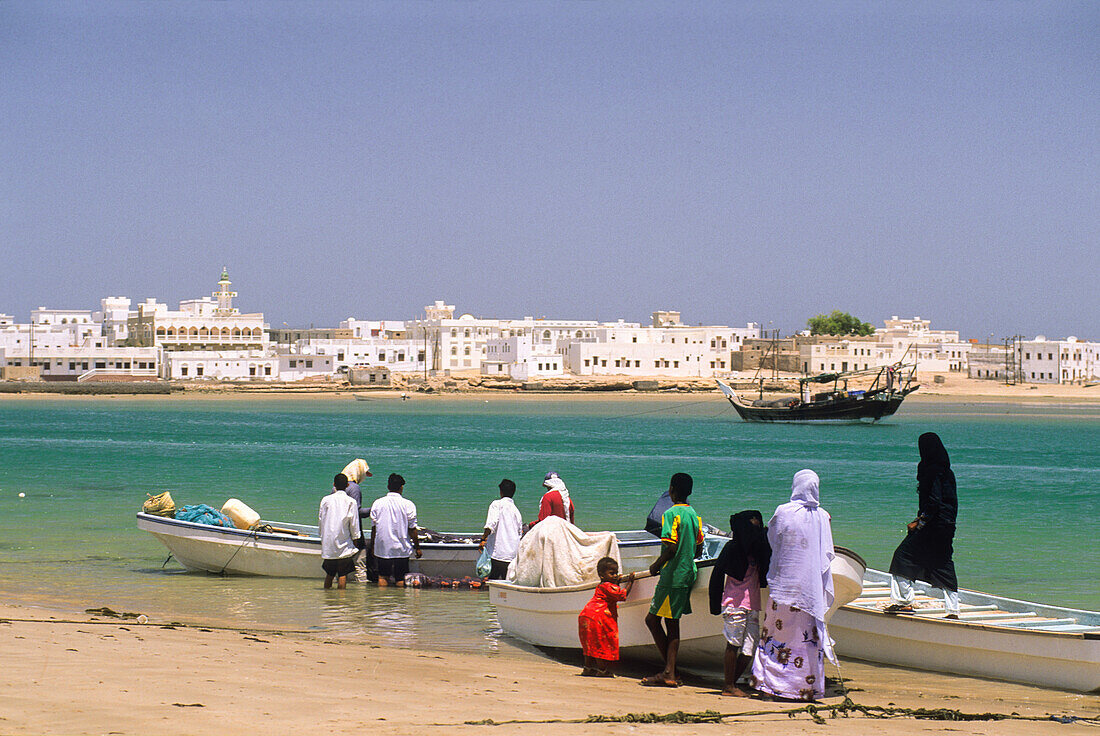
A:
x,y
1028,476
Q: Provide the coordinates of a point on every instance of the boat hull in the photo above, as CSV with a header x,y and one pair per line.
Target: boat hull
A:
x,y
841,410
239,552
547,617
1001,650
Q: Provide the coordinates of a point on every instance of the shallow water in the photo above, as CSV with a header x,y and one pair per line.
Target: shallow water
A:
x,y
1028,476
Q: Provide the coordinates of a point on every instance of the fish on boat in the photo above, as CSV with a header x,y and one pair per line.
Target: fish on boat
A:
x,y
994,637
547,617
294,550
889,385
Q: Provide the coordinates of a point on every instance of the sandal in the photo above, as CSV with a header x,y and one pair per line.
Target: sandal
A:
x,y
895,608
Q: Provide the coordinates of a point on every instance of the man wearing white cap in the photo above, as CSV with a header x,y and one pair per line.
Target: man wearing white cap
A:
x,y
355,471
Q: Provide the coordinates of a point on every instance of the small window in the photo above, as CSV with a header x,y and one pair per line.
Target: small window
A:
x,y
100,364
183,370
199,370
267,370
293,364
309,364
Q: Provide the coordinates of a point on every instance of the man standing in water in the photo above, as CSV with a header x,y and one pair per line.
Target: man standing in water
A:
x,y
341,535
393,534
503,525
682,540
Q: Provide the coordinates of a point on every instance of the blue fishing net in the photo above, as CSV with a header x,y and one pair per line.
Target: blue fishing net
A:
x,y
200,513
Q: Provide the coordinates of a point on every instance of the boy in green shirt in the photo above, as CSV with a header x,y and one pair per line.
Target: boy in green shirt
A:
x,y
682,540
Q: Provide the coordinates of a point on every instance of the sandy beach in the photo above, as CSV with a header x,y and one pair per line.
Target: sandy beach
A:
x,y
74,673
955,388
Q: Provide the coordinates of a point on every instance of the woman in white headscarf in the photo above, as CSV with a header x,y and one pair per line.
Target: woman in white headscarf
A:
x,y
790,658
556,501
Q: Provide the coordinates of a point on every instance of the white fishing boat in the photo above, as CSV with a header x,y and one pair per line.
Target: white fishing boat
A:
x,y
547,617
294,550
994,637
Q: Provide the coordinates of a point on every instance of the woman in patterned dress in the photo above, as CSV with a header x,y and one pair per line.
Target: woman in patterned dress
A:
x,y
790,658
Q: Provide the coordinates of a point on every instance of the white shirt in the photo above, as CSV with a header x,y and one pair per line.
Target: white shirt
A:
x,y
393,515
339,519
506,526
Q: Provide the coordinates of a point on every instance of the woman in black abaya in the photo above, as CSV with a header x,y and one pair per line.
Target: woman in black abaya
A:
x,y
925,553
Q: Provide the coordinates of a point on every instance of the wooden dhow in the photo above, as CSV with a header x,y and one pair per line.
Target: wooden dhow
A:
x,y
889,385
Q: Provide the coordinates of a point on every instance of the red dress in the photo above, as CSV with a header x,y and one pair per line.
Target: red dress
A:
x,y
552,505
599,623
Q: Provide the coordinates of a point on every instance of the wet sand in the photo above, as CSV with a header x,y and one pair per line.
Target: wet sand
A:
x,y
72,673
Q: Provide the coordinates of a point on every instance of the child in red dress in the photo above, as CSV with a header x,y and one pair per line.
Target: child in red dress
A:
x,y
599,621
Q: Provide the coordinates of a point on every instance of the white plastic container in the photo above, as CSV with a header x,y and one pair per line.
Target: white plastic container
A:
x,y
243,517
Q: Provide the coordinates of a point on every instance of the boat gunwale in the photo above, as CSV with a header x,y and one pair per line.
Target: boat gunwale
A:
x,y
316,540
541,590
1009,630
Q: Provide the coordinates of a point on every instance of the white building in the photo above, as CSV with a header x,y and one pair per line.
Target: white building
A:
x,y
398,355
1058,361
365,329
460,345
207,323
86,362
517,358
224,365
114,318
633,350
862,353
915,329
305,367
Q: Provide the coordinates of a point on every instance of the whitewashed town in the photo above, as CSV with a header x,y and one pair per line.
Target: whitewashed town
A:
x,y
208,339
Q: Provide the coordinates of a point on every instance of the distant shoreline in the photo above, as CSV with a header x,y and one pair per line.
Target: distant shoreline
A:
x,y
962,391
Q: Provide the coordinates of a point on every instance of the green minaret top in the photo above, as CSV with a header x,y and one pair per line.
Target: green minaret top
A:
x,y
225,274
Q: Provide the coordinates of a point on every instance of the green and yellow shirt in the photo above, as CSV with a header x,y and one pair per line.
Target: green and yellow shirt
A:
x,y
682,527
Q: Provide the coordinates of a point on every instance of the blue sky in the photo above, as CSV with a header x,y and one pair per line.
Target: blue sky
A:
x,y
736,161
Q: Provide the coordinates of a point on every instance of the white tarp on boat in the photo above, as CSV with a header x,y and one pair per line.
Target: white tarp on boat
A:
x,y
554,553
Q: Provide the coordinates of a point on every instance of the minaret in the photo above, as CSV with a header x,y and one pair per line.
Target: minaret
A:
x,y
224,296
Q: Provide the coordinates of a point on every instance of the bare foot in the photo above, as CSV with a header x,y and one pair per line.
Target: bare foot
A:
x,y
736,692
588,672
603,673
659,680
